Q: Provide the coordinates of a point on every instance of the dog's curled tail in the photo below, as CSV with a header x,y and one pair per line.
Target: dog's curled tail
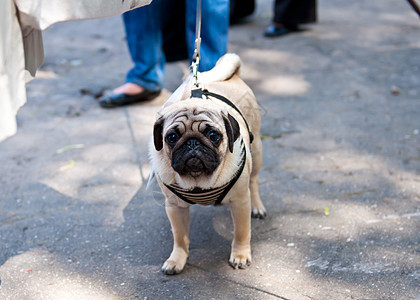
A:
x,y
227,66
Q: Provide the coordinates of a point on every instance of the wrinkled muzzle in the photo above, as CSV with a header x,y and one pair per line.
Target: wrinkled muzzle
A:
x,y
194,158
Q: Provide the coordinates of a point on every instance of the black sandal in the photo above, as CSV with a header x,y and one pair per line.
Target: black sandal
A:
x,y
115,100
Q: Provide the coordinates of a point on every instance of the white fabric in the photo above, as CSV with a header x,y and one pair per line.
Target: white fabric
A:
x,y
42,13
12,69
21,48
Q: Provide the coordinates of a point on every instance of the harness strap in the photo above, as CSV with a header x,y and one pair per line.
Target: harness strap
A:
x,y
208,196
415,6
198,93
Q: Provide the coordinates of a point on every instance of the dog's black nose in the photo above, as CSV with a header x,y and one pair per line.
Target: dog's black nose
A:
x,y
194,165
193,144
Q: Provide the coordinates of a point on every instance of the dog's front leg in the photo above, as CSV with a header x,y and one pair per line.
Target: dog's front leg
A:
x,y
240,208
180,223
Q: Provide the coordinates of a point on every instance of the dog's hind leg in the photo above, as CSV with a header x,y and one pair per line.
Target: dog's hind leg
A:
x,y
257,207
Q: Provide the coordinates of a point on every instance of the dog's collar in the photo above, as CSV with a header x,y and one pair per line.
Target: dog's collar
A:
x,y
208,196
199,93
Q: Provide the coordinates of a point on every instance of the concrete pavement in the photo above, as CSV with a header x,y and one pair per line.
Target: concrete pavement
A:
x,y
340,104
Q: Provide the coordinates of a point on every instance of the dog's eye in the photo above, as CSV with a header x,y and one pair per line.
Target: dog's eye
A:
x,y
171,138
214,136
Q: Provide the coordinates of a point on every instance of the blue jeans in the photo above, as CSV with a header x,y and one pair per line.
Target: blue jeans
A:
x,y
144,39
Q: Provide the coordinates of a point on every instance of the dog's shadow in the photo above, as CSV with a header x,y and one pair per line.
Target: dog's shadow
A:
x,y
211,231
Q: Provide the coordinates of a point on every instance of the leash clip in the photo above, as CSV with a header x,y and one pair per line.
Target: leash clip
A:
x,y
196,55
194,66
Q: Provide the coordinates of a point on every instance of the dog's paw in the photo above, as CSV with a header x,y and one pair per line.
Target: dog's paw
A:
x,y
240,261
258,213
171,267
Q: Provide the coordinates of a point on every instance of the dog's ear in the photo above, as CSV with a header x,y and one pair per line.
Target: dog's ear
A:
x,y
157,134
232,130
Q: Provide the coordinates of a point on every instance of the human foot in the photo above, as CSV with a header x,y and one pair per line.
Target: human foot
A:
x,y
128,93
277,29
128,88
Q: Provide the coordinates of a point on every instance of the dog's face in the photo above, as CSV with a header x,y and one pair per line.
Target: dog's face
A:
x,y
195,136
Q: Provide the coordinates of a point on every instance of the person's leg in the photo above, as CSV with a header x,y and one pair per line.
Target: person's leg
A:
x,y
278,27
144,39
214,30
292,13
281,10
288,14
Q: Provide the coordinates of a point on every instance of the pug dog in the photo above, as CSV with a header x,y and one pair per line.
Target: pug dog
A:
x,y
206,150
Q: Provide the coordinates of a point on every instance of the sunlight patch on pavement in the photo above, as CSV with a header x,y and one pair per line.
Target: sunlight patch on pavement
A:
x,y
40,274
365,171
45,74
103,174
268,56
285,85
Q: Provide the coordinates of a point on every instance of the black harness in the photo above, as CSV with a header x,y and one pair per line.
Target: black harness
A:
x,y
213,195
208,196
199,93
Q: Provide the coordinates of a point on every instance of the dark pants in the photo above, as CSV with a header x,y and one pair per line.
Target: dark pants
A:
x,y
294,12
143,27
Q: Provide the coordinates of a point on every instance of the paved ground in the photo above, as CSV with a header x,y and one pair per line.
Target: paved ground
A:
x,y
340,180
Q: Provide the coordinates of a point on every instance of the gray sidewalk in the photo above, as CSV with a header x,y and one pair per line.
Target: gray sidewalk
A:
x,y
340,104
